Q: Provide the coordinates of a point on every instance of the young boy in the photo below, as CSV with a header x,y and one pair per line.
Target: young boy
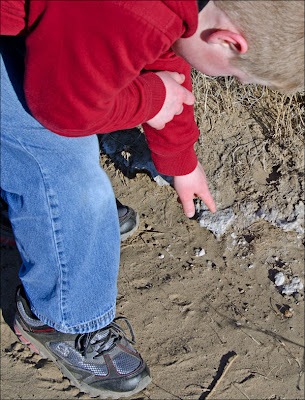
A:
x,y
88,67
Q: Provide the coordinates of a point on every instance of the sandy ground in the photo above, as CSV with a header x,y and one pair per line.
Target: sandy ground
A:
x,y
210,324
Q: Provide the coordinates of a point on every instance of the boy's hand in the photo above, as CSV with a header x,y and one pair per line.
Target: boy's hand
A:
x,y
176,96
193,185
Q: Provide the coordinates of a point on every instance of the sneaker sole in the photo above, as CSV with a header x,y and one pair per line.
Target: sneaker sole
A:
x,y
126,235
35,346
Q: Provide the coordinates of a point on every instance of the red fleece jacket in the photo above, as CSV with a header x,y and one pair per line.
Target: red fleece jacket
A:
x,y
88,68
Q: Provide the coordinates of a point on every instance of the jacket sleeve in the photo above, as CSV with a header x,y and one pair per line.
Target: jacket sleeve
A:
x,y
88,80
86,75
12,17
172,148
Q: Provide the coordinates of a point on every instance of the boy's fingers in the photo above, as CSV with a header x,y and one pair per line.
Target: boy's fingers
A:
x,y
179,78
180,111
182,78
189,98
188,207
208,201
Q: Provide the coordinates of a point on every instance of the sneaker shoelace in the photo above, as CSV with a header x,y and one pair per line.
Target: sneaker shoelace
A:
x,y
104,339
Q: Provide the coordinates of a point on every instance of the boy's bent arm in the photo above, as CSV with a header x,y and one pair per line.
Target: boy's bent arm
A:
x,y
181,161
172,148
85,62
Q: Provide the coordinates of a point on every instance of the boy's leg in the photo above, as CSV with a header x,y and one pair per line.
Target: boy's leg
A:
x,y
65,220
128,218
63,212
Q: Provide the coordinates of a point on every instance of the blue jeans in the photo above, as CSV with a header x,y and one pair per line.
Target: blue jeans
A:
x,y
62,209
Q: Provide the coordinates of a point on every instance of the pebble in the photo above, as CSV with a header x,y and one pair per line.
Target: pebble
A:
x,y
199,252
295,285
210,263
279,279
288,313
161,255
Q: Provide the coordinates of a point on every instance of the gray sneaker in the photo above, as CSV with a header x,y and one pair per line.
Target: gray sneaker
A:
x,y
102,363
129,220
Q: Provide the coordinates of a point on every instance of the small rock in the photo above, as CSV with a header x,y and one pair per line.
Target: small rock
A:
x,y
295,285
279,279
210,263
161,255
288,313
297,281
160,181
199,252
218,222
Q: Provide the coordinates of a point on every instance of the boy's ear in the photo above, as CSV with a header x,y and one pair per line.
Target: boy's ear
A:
x,y
235,40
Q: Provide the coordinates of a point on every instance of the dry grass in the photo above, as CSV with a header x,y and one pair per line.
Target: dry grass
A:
x,y
279,115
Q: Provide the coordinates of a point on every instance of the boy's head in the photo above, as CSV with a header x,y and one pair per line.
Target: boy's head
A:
x,y
258,41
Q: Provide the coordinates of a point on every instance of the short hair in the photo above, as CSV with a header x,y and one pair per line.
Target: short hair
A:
x,y
274,31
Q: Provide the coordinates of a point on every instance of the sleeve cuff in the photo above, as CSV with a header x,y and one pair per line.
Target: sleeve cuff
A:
x,y
179,164
156,90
